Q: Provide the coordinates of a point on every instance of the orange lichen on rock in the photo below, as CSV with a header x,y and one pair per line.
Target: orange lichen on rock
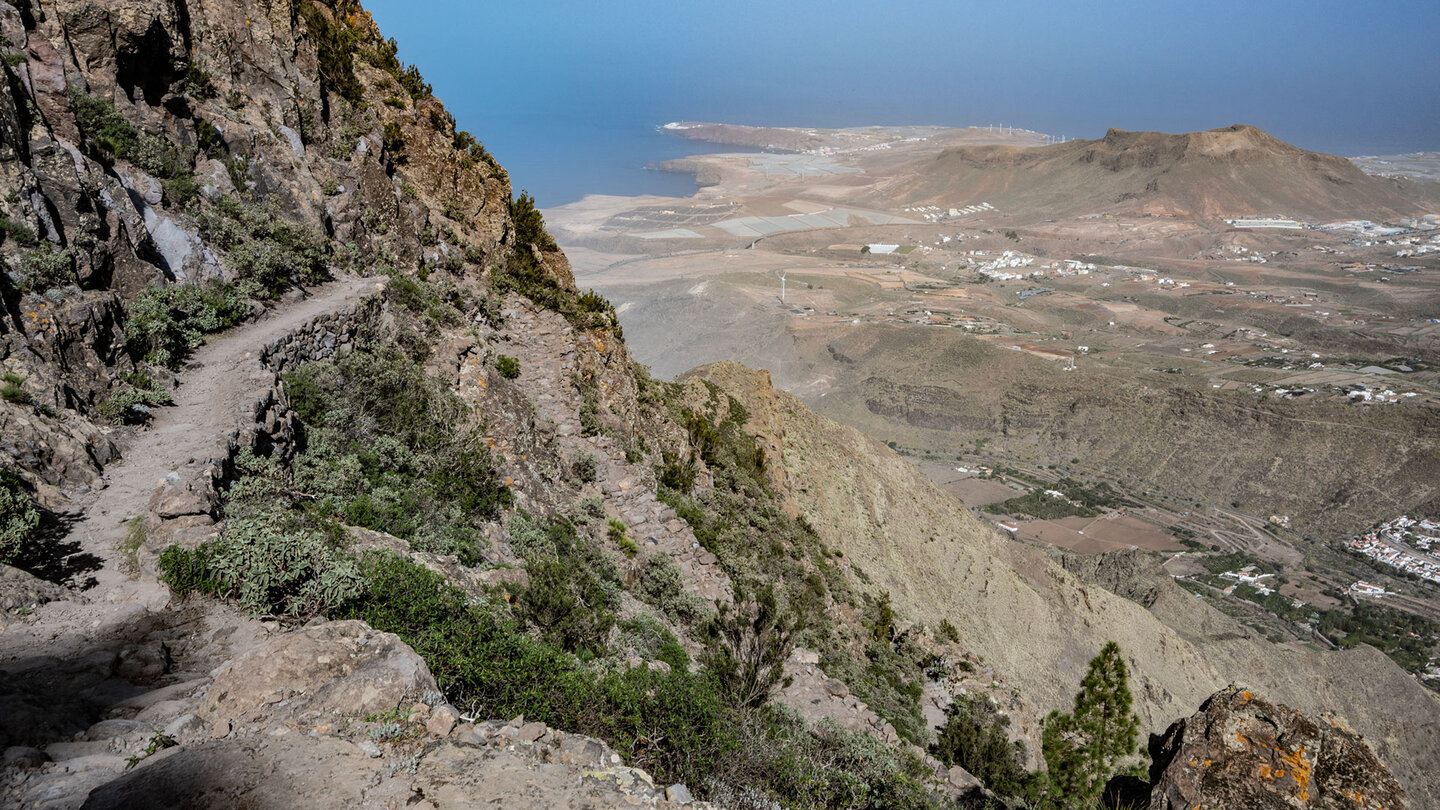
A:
x,y
1300,772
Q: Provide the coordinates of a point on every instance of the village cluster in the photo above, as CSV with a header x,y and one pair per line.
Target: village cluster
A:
x,y
1389,542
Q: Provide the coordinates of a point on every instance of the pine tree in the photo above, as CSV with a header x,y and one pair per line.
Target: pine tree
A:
x,y
1083,748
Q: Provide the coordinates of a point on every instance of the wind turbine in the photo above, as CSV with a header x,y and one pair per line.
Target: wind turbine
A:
x,y
782,287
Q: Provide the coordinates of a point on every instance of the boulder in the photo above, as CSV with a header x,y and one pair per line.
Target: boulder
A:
x,y
315,672
1241,750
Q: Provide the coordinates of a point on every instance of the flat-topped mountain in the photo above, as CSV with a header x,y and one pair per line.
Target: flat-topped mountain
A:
x,y
1234,171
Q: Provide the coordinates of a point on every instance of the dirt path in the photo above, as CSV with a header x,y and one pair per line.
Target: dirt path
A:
x,y
222,376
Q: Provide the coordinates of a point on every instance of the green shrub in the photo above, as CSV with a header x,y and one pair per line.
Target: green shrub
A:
x,y
131,400
524,273
648,638
783,760
391,449
508,367
414,84
12,389
528,537
165,323
974,738
187,571
19,516
262,246
616,531
345,142
747,647
335,43
661,585
672,724
199,84
948,632
586,467
270,564
44,267
393,140
22,234
109,135
573,587
571,607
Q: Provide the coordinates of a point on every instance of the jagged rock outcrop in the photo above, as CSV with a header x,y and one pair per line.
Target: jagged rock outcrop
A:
x,y
1243,750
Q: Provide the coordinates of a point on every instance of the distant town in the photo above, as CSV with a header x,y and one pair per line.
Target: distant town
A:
x,y
1396,543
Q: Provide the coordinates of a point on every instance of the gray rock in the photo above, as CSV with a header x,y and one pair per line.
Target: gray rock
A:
x,y
370,749
530,732
24,758
337,667
442,721
678,794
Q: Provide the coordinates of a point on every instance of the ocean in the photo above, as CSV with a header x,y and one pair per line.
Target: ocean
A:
x,y
567,94
559,164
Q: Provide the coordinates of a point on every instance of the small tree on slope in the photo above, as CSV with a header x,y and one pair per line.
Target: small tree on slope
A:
x,y
1083,748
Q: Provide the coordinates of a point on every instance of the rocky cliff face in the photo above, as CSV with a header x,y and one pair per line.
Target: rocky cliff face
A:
x,y
128,127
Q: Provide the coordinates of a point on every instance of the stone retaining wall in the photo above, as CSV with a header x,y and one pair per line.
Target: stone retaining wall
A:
x,y
265,424
272,424
328,336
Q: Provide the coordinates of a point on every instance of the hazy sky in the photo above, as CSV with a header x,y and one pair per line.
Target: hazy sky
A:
x,y
529,78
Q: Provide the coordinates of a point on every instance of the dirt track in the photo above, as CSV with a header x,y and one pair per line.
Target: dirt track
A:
x,y
217,381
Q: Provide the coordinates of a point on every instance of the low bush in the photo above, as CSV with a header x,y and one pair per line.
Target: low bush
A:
x,y
661,585
19,516
390,449
132,398
747,647
335,44
393,140
263,246
616,531
270,563
165,323
974,737
782,760
672,724
109,135
44,267
20,232
12,389
508,367
586,467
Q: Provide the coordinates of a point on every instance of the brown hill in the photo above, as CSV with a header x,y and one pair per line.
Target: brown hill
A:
x,y
1219,173
1037,623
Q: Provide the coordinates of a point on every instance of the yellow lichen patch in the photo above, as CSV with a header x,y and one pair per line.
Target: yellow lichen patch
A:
x,y
1300,768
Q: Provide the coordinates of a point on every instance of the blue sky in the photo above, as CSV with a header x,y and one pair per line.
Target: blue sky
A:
x,y
530,79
